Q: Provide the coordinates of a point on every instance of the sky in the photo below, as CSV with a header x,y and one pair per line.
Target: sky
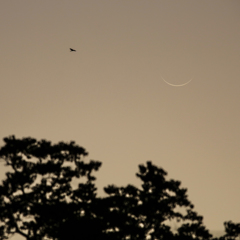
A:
x,y
109,95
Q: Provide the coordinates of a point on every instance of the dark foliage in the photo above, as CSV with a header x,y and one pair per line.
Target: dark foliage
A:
x,y
38,201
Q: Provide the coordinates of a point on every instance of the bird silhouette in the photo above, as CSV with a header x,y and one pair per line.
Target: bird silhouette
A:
x,y
72,50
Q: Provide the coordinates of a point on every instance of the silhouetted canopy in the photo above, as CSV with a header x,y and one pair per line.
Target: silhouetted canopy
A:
x,y
38,199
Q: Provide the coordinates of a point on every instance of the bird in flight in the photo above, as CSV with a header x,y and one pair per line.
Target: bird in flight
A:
x,y
72,50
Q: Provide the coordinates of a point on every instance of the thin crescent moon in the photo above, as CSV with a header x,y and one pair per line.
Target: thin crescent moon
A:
x,y
177,85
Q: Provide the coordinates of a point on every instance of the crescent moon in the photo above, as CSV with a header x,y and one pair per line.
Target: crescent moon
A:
x,y
177,85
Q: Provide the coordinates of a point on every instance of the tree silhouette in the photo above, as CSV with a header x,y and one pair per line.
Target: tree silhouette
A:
x,y
39,201
232,231
147,213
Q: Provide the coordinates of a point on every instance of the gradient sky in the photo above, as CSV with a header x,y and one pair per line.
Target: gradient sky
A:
x,y
110,98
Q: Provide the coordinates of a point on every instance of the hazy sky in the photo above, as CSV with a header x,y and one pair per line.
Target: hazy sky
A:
x,y
110,98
